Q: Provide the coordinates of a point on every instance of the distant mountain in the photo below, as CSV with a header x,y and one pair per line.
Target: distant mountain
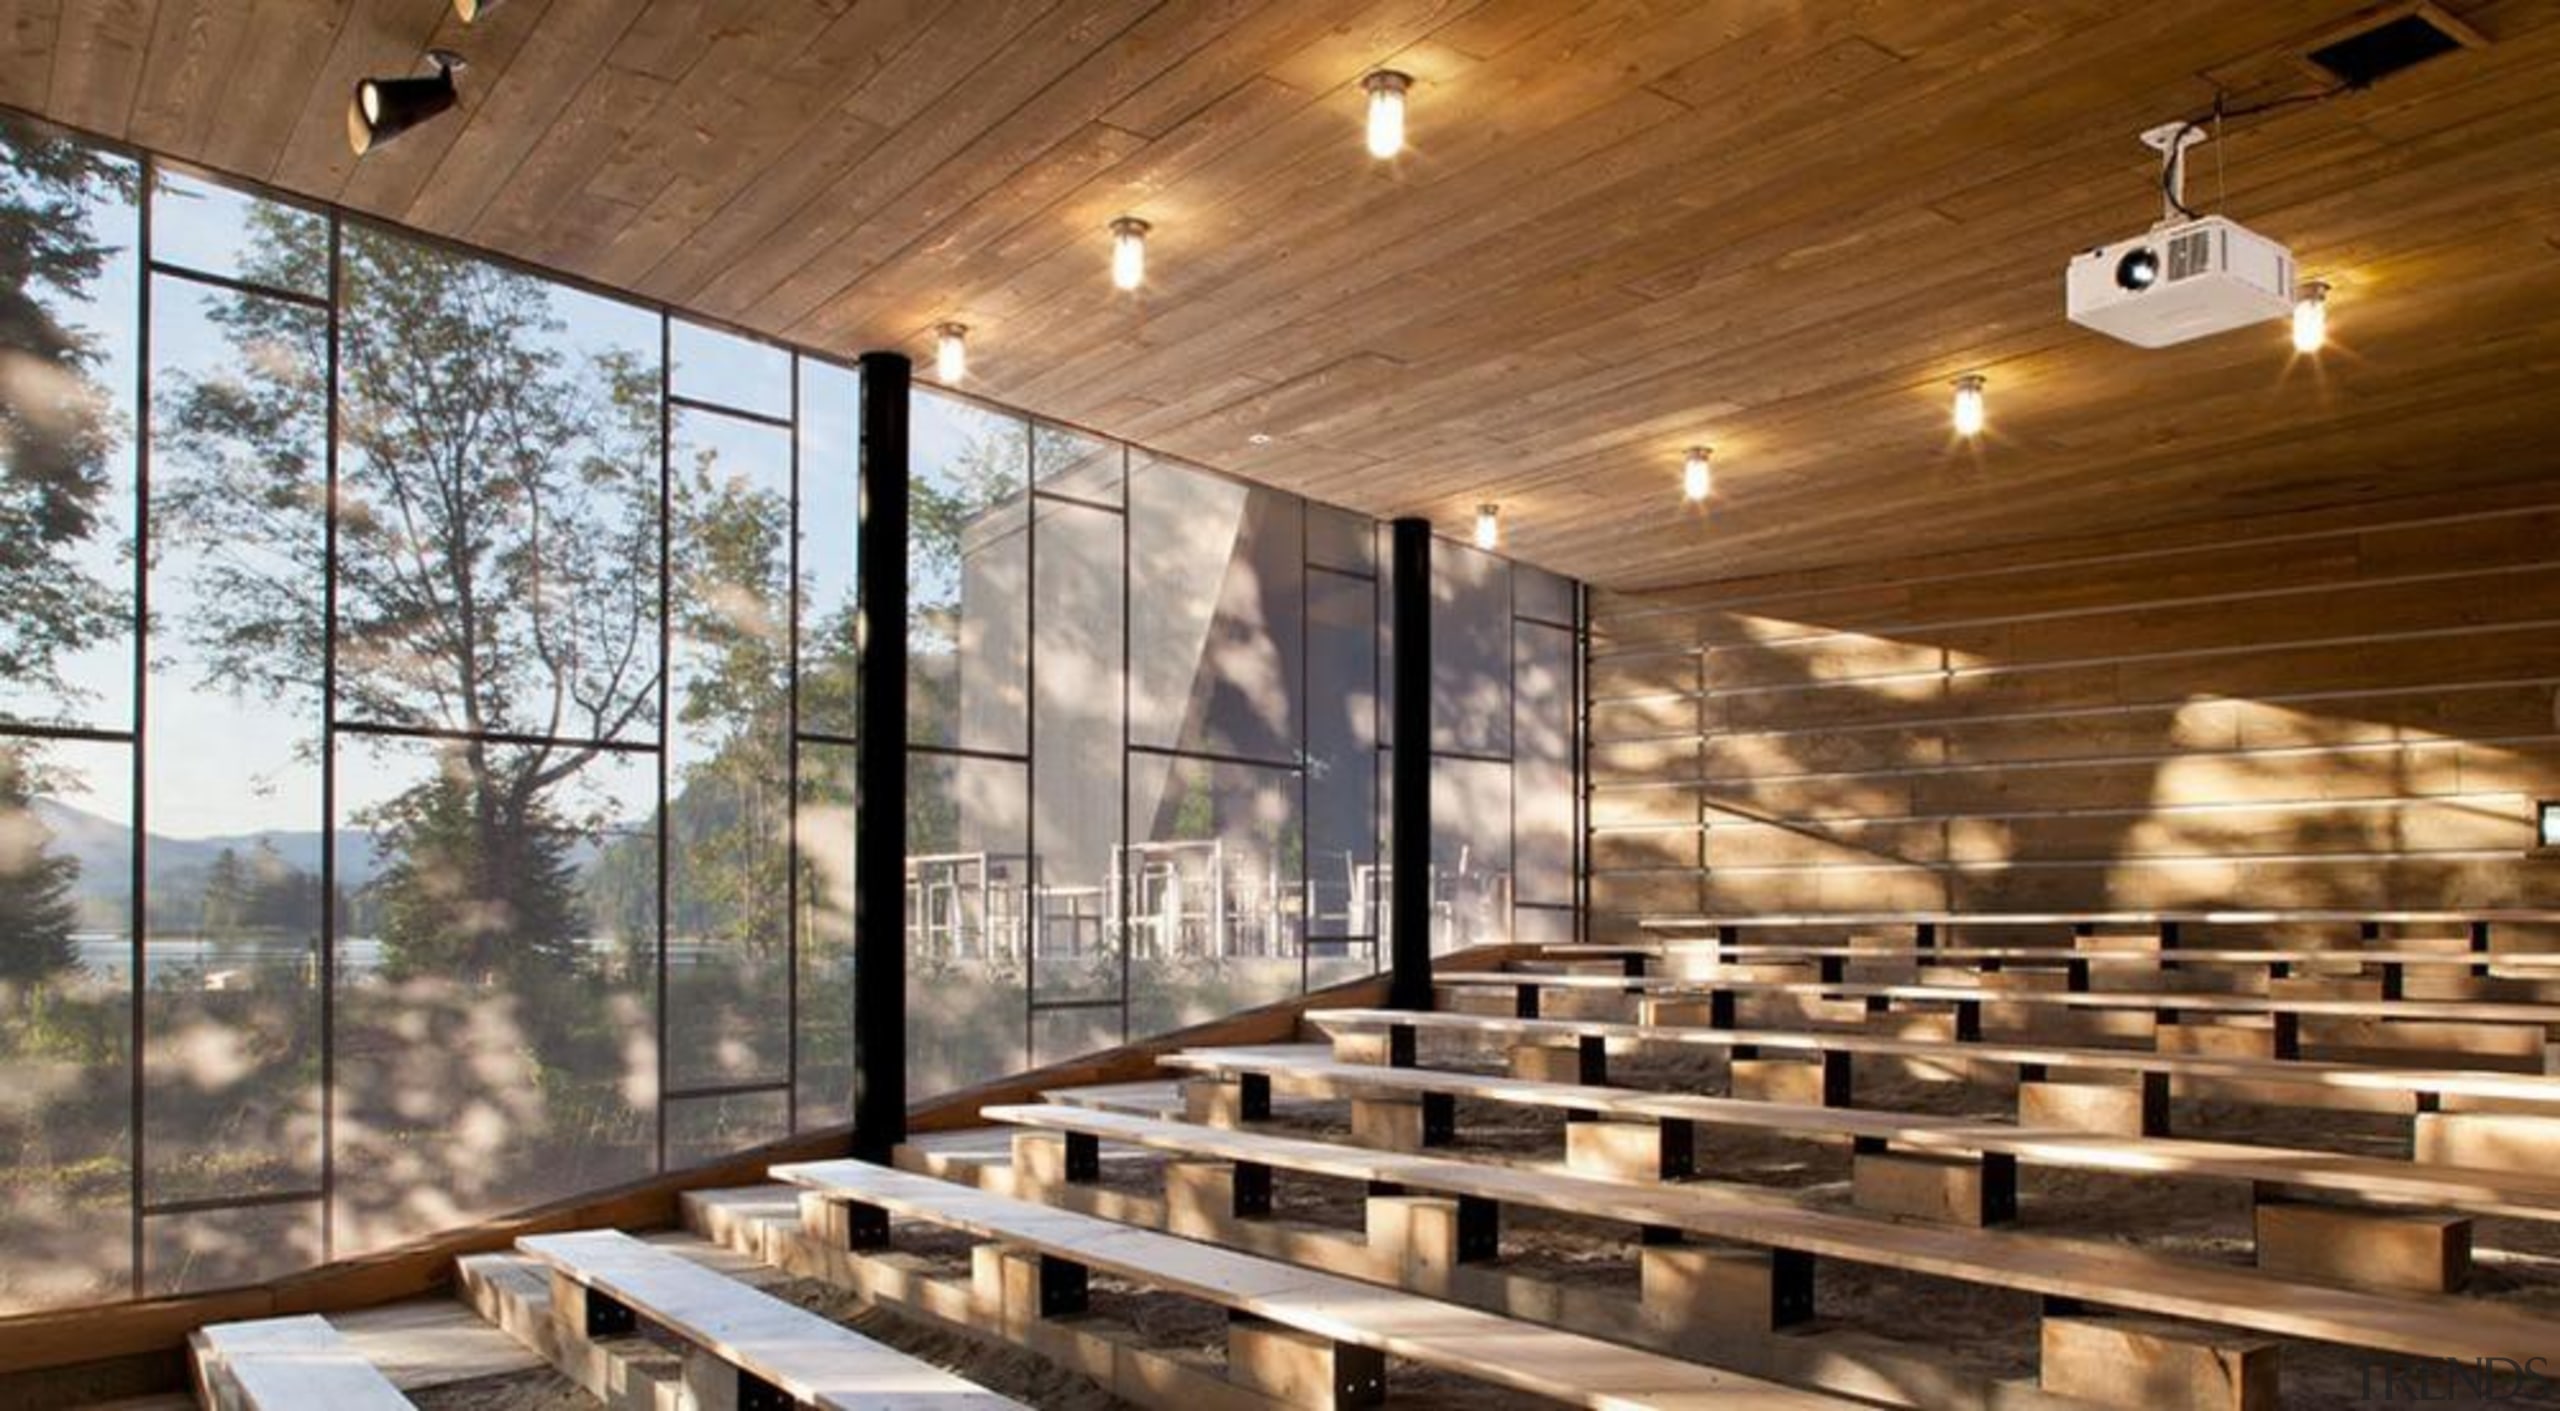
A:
x,y
103,847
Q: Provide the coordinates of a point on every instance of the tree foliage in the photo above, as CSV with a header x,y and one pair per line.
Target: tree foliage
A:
x,y
58,426
37,912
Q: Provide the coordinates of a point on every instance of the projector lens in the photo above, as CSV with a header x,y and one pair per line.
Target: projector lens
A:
x,y
2139,269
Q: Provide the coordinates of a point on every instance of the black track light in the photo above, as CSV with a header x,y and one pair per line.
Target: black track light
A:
x,y
383,108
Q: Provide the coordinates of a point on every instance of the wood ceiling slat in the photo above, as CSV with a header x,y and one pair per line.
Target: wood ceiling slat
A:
x,y
379,38
28,30
521,110
1152,43
1623,225
809,176
98,58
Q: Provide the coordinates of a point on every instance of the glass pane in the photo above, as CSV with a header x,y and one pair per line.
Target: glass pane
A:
x,y
1470,854
729,753
1075,785
1058,1035
66,455
1339,539
239,452
727,370
1070,463
206,226
1542,762
1216,593
1342,755
824,1032
1216,889
1470,650
967,884
1542,925
496,969
705,1129
223,1249
1332,962
830,547
498,472
1536,593
66,971
968,578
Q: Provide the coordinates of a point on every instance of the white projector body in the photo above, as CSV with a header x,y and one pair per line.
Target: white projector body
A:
x,y
2181,281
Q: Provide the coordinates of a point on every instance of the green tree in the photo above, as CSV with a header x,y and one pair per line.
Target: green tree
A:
x,y
224,909
57,424
496,573
37,911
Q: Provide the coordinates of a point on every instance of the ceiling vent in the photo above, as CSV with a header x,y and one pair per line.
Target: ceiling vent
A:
x,y
2383,44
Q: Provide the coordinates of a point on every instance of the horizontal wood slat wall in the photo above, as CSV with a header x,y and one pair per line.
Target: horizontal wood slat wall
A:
x,y
2351,708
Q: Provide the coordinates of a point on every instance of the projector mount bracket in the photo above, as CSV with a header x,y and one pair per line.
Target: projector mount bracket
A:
x,y
2171,140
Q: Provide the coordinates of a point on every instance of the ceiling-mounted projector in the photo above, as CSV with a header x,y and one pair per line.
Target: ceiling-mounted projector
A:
x,y
2181,282
2188,277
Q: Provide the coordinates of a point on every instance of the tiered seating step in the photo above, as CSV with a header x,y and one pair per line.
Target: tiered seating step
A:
x,y
2516,1194
287,1364
1577,1370
2073,1271
771,1345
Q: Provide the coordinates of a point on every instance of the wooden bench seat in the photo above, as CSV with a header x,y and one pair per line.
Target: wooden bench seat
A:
x,y
2365,1180
2075,1271
1564,1366
2442,1011
2078,963
287,1364
2371,1087
772,1345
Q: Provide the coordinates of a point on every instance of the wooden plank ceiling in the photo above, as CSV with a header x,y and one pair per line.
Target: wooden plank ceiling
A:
x,y
1622,227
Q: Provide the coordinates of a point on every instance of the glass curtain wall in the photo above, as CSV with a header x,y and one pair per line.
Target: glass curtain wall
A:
x,y
427,735
486,841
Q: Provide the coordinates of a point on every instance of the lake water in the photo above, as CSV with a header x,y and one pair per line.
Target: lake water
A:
x,y
110,956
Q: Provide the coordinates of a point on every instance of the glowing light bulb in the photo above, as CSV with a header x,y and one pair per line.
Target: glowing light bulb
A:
x,y
1129,252
1697,475
1969,405
1488,526
951,353
2311,318
1386,112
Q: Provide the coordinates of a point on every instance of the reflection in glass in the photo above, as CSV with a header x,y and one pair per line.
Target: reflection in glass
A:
x,y
220,1249
729,803
705,1129
824,1027
1542,762
68,348
1342,758
1216,594
231,1101
1075,779
968,885
1470,854
1542,596
1216,882
1342,541
66,991
495,967
1080,467
1470,650
969,569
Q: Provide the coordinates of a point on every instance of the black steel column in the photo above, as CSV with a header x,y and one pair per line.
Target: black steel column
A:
x,y
880,824
1409,792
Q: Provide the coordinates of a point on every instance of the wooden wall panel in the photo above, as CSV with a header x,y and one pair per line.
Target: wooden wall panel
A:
x,y
2303,711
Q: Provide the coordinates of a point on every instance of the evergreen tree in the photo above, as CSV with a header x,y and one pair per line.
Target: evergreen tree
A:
x,y
224,908
37,912
473,897
56,423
